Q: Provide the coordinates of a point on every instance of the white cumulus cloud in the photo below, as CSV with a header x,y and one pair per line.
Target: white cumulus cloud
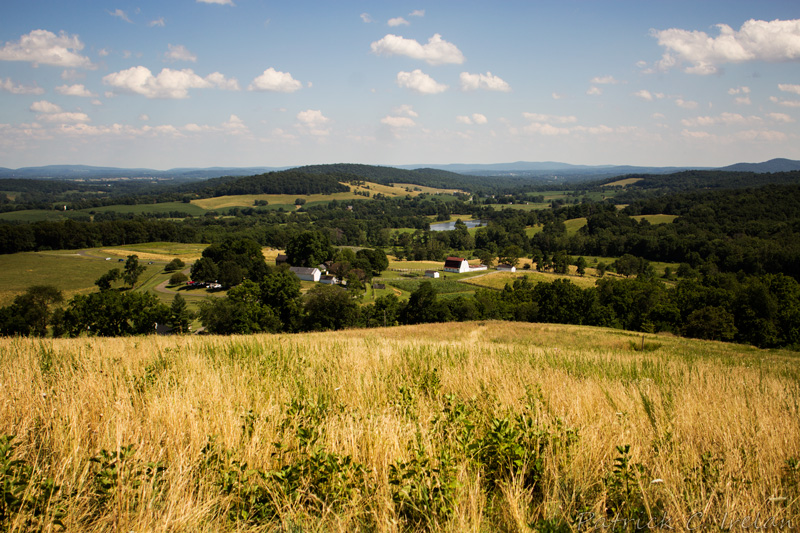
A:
x,y
220,2
276,81
15,88
313,122
478,118
437,51
235,126
219,81
50,112
646,95
406,111
398,122
398,21
488,81
780,117
75,90
475,118
120,14
178,52
65,118
420,82
167,84
43,106
605,80
726,119
789,88
417,13
558,119
366,18
545,129
594,91
756,40
42,47
686,104
785,103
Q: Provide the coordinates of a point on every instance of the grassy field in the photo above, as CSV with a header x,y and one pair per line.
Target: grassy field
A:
x,y
38,215
498,280
656,219
574,224
287,200
623,182
69,271
75,271
476,427
137,209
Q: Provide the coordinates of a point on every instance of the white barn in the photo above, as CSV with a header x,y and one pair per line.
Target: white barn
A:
x,y
456,264
306,274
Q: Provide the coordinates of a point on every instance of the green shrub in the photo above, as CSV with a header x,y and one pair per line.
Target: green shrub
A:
x,y
22,493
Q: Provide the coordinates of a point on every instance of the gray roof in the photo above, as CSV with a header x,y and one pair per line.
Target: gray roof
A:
x,y
303,270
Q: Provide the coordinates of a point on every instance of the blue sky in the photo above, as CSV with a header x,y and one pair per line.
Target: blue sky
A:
x,y
253,83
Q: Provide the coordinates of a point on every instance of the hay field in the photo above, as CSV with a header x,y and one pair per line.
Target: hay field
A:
x,y
485,426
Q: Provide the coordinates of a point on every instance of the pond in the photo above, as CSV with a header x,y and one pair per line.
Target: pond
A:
x,y
450,226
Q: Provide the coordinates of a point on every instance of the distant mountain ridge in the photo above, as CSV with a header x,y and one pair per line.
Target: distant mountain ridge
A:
x,y
773,165
90,172
542,169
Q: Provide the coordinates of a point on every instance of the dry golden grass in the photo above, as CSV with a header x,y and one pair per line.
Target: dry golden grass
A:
x,y
716,422
287,200
623,182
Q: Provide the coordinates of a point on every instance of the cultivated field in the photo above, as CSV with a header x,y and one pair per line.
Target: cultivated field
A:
x,y
494,426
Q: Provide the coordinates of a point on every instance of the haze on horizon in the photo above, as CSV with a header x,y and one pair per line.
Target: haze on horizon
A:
x,y
202,83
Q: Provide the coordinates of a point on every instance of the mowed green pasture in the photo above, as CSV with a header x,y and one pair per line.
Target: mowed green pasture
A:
x,y
574,224
656,219
69,271
75,271
139,209
39,215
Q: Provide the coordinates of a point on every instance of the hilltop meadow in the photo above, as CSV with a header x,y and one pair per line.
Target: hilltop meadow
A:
x,y
473,426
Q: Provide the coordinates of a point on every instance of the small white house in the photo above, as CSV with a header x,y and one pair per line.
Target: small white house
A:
x,y
456,265
432,273
507,268
306,274
329,280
